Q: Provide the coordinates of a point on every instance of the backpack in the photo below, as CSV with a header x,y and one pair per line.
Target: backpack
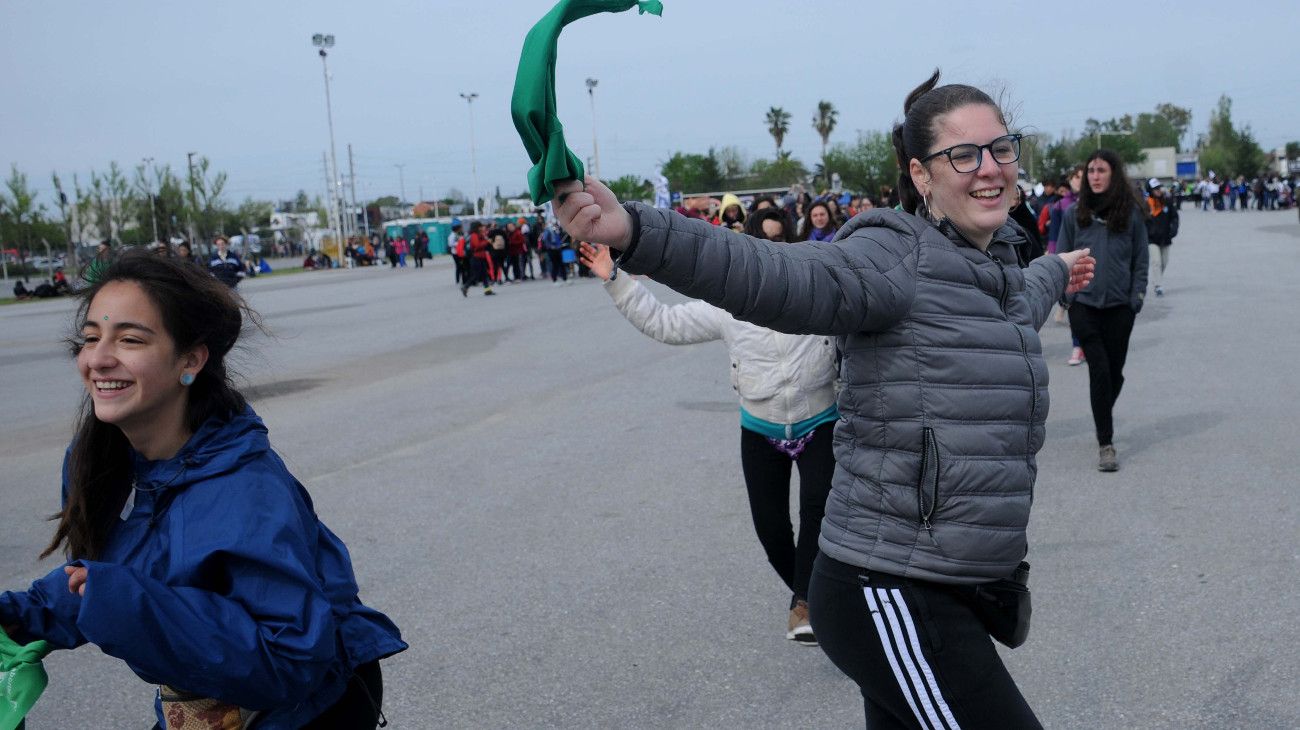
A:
x,y
1044,219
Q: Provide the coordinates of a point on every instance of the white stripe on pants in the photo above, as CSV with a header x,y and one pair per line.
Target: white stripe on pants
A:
x,y
915,678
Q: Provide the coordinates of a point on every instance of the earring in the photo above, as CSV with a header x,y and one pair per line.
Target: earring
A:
x,y
187,378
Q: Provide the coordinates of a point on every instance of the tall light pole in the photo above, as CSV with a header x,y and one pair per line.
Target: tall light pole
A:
x,y
194,236
595,151
153,216
401,181
473,163
323,42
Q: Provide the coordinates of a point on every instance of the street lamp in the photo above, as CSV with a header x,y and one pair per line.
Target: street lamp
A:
x,y
322,42
401,181
595,151
153,216
473,164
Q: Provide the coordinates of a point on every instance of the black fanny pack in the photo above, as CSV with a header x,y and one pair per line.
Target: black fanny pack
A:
x,y
1003,607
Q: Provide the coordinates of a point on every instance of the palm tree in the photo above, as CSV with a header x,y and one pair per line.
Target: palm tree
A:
x,y
778,124
824,123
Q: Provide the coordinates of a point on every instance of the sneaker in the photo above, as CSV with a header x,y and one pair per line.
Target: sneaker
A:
x,y
488,292
1060,315
1076,356
1160,292
464,291
800,631
1108,460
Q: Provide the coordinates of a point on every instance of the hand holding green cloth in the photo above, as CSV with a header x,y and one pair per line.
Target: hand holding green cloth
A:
x,y
533,103
22,679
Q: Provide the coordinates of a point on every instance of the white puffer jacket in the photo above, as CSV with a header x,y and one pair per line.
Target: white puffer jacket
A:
x,y
780,378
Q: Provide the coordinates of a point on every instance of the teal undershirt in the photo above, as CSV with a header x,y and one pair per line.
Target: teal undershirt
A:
x,y
786,431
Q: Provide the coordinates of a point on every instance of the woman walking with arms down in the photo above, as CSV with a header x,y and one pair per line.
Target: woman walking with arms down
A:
x,y
1108,220
193,554
942,409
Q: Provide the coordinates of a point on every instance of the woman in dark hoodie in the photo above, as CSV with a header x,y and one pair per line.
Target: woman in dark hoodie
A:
x,y
1108,220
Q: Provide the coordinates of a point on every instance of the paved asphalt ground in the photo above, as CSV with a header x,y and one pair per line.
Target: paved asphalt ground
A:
x,y
550,505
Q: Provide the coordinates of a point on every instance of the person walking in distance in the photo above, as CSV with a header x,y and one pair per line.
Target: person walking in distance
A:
x,y
480,261
943,406
786,385
1109,221
225,264
456,247
1162,226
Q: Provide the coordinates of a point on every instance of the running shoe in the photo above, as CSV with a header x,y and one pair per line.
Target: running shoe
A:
x,y
799,630
1107,459
1076,356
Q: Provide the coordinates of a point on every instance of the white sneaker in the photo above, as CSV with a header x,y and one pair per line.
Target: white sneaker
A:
x,y
1076,356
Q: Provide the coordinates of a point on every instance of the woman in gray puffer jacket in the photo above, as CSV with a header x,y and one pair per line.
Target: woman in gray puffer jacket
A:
x,y
943,402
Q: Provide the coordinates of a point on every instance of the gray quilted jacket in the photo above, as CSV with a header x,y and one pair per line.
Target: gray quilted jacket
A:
x,y
945,387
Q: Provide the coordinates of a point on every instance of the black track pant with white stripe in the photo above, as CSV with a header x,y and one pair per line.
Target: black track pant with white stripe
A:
x,y
921,657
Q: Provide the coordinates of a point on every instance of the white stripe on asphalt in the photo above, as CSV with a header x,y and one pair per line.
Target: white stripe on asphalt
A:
x,y
888,645
896,627
925,665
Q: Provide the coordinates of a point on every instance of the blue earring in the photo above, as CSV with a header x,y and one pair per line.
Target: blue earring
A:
x,y
187,379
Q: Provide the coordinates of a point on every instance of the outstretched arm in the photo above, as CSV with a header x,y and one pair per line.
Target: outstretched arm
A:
x,y
864,281
674,324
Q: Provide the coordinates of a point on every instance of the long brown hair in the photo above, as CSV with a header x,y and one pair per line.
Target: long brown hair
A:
x,y
196,310
1115,204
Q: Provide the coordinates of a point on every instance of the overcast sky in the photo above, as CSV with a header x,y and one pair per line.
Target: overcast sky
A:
x,y
86,82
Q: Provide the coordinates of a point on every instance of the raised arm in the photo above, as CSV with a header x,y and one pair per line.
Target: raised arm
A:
x,y
687,323
862,281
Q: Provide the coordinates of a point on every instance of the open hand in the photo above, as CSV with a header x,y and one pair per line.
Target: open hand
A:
x,y
596,257
76,579
1082,265
592,213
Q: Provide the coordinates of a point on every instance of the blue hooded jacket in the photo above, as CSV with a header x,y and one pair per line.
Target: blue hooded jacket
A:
x,y
221,581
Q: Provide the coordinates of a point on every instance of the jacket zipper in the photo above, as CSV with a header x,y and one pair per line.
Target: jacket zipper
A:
x,y
1029,364
929,466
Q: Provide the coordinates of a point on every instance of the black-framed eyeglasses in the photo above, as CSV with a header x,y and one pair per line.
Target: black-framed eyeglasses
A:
x,y
967,158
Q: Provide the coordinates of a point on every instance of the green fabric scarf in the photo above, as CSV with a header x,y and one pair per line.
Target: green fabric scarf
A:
x,y
533,103
22,679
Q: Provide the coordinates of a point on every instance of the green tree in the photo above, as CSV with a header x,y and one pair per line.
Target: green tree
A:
x,y
693,173
1293,150
1117,135
783,171
1230,151
824,122
1178,117
631,187
778,125
19,214
866,165
1060,156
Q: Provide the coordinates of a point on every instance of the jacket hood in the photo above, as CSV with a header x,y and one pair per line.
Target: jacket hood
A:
x,y
219,446
728,200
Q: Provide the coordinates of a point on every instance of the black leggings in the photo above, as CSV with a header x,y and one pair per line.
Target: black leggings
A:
x,y
1103,334
920,656
358,708
767,478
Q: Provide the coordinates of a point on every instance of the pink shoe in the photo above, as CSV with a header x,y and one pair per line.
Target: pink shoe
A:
x,y
1076,356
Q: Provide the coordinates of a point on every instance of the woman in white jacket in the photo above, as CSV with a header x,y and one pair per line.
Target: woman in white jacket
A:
x,y
786,385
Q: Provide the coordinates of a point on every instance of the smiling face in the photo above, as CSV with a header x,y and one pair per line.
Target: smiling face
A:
x,y
819,216
975,202
129,366
1099,176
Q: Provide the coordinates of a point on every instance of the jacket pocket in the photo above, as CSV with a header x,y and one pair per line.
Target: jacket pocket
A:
x,y
927,487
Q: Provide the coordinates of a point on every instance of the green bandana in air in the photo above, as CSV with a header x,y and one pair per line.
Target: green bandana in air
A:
x,y
533,103
22,679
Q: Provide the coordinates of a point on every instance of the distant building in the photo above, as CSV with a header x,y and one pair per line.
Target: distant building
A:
x,y
1161,162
